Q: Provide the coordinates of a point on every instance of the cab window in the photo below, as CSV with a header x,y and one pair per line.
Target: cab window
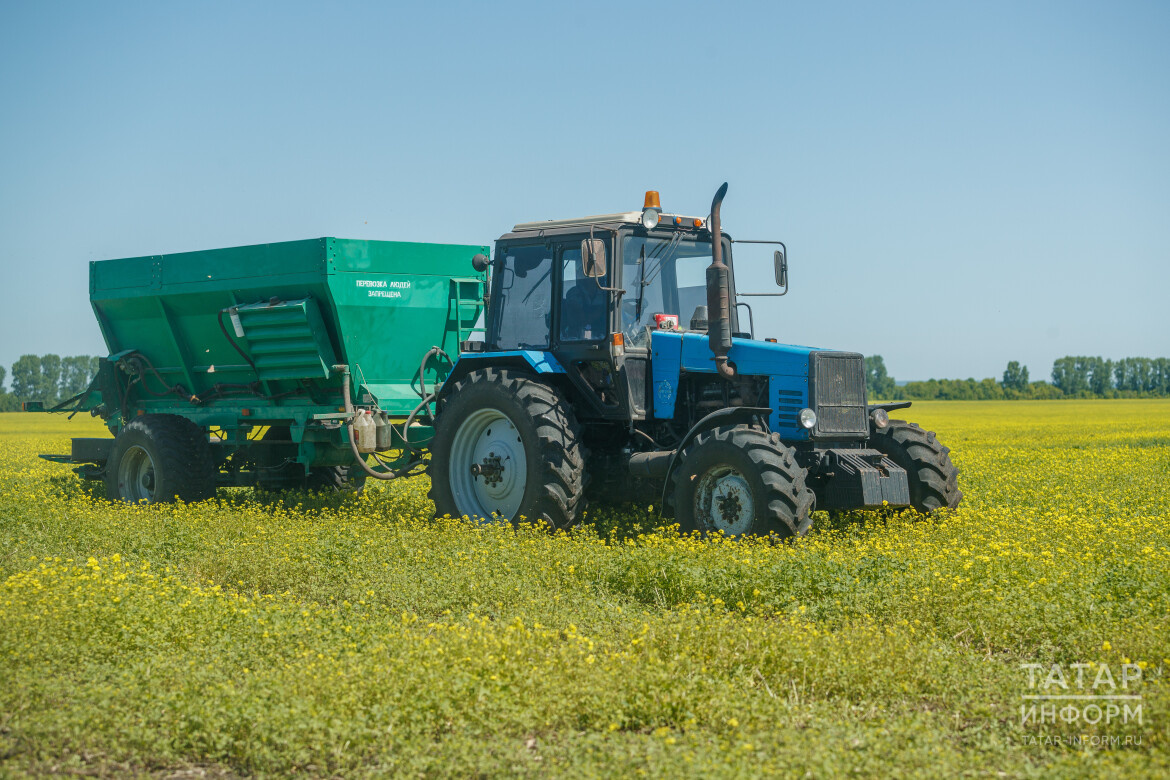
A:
x,y
524,298
583,313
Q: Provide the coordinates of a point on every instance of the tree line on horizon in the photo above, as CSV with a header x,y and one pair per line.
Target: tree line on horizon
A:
x,y
52,379
1072,377
47,378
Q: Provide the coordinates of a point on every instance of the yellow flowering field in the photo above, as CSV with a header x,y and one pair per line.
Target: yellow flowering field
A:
x,y
271,634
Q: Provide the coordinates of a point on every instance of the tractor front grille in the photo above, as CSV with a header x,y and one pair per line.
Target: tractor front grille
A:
x,y
837,389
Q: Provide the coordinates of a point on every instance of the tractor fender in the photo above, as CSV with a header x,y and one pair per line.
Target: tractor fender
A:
x,y
538,362
733,415
889,407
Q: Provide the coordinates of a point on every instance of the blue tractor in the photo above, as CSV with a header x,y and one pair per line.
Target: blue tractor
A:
x,y
614,366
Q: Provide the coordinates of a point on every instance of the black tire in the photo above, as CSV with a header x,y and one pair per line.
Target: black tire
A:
x,y
169,452
553,492
763,465
933,478
336,479
276,473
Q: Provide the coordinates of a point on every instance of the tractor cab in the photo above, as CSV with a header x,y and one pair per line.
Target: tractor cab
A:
x,y
591,291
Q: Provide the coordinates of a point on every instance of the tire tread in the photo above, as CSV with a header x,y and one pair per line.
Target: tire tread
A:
x,y
184,456
790,501
560,500
933,477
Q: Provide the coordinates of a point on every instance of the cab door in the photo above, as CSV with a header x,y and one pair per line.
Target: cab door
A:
x,y
583,326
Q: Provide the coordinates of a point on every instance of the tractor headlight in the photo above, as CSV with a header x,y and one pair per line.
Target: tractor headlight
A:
x,y
880,417
808,418
650,217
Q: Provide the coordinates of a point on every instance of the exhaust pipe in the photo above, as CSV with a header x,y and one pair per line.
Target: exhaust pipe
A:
x,y
719,294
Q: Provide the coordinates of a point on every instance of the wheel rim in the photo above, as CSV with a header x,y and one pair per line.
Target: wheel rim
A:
x,y
723,500
136,475
488,468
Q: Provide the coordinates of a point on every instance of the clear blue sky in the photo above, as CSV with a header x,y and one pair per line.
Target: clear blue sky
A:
x,y
959,185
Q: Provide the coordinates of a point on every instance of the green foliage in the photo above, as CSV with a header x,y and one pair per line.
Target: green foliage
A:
x,y
1083,377
281,634
1042,391
1015,377
1072,377
27,381
1143,375
879,384
8,402
76,373
1100,376
48,378
952,390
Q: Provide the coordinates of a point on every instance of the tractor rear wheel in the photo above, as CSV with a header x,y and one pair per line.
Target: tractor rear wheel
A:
x,y
933,478
741,481
157,458
507,447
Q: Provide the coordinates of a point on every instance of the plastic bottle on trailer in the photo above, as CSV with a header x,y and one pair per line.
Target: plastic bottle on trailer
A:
x,y
383,430
365,430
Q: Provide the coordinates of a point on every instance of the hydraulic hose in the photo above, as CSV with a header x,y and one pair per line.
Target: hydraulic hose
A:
x,y
358,456
232,341
422,376
427,400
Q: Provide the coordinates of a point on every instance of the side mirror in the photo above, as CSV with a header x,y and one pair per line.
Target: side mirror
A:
x,y
480,263
780,260
593,258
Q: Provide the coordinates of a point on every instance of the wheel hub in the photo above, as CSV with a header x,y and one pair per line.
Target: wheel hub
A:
x,y
729,507
136,475
489,467
723,501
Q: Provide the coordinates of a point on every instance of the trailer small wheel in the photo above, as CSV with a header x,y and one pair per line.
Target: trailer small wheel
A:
x,y
742,482
157,458
507,447
933,478
338,479
277,468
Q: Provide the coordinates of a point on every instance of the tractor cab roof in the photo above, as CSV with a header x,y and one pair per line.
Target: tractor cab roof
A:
x,y
649,218
625,218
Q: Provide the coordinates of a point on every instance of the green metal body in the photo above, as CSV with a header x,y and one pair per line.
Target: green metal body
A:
x,y
294,309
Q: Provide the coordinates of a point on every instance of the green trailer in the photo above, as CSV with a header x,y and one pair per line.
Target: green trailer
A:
x,y
236,366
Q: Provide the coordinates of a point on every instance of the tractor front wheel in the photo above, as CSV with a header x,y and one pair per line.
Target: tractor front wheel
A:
x,y
507,447
741,481
933,478
157,458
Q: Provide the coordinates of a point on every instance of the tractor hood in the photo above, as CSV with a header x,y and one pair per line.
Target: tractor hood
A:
x,y
838,397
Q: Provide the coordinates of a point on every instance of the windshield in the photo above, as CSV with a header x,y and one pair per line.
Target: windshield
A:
x,y
671,274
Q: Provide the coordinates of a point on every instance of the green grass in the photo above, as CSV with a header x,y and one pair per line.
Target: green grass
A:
x,y
315,634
